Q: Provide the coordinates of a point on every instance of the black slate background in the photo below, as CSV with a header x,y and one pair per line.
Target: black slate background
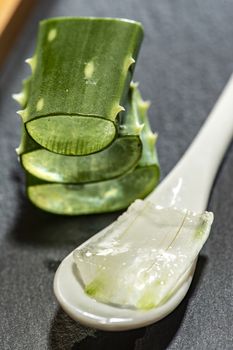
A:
x,y
185,61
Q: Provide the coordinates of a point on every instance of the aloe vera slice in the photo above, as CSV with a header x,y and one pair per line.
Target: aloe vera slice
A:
x,y
109,195
97,197
115,160
81,72
140,260
120,157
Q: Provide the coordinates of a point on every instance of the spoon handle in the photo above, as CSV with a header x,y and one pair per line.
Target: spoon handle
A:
x,y
189,184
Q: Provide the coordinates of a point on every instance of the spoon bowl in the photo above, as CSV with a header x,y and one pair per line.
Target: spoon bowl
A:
x,y
80,307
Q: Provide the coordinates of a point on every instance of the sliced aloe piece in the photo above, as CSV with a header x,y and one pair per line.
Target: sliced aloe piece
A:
x,y
81,72
97,197
120,157
140,260
109,195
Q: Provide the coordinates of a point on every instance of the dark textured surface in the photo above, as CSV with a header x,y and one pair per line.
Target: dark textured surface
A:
x,y
185,61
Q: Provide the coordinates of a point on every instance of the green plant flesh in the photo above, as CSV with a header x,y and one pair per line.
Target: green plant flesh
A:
x,y
81,152
118,158
94,191
105,196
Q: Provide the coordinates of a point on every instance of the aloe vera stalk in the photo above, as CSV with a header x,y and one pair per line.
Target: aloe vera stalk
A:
x,y
82,151
81,72
103,196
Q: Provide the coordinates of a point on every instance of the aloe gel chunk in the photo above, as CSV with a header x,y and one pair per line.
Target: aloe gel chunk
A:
x,y
140,259
81,72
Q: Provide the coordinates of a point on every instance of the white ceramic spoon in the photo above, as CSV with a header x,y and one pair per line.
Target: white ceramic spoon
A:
x,y
187,186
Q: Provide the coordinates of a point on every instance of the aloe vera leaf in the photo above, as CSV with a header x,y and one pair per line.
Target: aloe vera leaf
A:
x,y
140,108
81,72
97,197
148,138
120,157
130,121
22,97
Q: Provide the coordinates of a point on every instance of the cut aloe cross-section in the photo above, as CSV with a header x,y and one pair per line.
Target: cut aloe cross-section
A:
x,y
81,72
108,195
120,157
